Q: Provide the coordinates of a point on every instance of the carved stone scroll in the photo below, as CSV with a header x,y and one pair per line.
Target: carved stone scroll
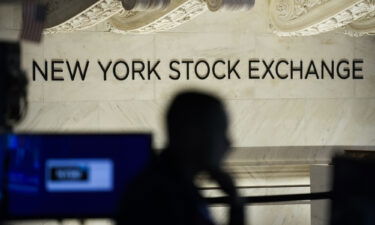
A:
x,y
69,15
310,17
72,15
362,26
287,17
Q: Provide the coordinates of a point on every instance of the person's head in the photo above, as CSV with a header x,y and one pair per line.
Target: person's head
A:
x,y
197,130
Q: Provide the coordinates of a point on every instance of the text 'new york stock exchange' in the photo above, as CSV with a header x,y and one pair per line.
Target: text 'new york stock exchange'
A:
x,y
202,69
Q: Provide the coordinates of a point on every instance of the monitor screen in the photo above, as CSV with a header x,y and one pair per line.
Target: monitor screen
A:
x,y
75,176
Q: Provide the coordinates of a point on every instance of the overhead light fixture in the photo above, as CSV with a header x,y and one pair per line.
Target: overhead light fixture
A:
x,y
213,5
230,5
145,5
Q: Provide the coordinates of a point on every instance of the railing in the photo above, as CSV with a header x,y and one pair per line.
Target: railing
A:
x,y
273,198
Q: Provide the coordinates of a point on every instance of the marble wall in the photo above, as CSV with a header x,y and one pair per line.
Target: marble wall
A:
x,y
263,112
320,182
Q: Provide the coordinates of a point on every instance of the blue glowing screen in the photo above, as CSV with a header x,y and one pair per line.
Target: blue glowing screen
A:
x,y
72,175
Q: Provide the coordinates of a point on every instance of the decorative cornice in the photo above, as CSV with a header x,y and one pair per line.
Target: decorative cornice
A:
x,y
124,21
288,17
290,10
362,26
311,17
94,14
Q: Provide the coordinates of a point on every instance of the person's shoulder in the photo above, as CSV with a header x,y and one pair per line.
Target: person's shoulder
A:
x,y
154,180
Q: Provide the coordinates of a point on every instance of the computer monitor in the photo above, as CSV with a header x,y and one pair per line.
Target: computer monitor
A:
x,y
72,175
353,195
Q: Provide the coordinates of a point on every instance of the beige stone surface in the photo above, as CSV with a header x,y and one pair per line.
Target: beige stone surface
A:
x,y
321,181
270,214
263,112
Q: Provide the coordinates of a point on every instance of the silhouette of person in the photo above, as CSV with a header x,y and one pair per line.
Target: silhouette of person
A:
x,y
165,193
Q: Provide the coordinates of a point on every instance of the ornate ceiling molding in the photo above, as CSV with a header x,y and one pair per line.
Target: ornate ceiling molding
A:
x,y
67,16
287,17
362,26
91,13
311,17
